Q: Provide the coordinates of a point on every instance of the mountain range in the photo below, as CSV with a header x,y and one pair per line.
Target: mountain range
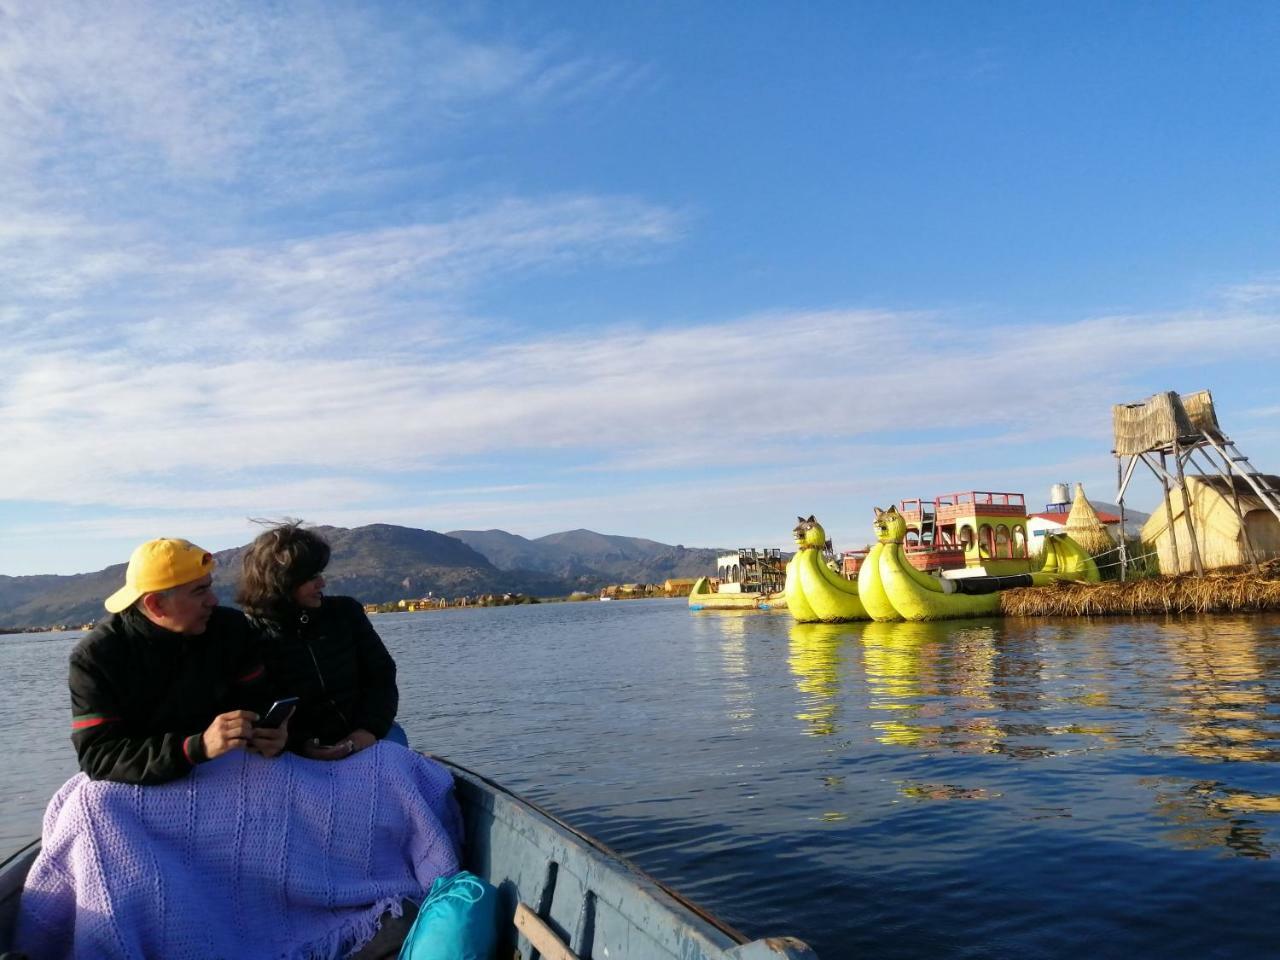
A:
x,y
382,562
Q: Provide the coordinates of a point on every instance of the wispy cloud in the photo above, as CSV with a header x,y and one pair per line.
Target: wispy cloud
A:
x,y
1256,292
73,285
217,90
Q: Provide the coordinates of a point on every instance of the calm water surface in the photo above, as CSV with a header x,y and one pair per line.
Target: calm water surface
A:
x,y
960,790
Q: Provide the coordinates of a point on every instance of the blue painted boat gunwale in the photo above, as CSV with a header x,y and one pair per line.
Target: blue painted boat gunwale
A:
x,y
602,905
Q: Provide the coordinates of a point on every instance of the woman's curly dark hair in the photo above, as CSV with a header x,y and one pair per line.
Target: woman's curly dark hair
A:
x,y
276,564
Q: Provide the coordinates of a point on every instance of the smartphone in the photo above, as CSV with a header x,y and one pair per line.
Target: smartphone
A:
x,y
280,711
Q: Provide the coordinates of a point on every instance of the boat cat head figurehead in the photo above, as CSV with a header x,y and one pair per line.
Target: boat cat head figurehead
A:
x,y
889,525
809,534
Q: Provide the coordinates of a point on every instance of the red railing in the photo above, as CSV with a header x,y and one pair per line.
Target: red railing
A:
x,y
988,502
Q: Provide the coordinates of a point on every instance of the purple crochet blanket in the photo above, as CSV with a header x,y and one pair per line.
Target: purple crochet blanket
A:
x,y
244,858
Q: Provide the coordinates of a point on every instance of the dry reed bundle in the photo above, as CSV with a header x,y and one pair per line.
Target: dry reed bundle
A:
x,y
1161,419
1200,411
1084,527
1154,423
1231,593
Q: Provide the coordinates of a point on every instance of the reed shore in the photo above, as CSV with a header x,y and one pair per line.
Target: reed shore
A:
x,y
1237,592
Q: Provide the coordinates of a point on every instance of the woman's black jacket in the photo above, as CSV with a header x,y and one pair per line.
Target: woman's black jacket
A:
x,y
332,660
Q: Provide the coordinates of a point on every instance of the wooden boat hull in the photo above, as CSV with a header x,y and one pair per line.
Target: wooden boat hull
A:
x,y
568,894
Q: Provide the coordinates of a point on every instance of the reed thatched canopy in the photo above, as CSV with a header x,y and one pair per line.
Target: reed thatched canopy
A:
x,y
1084,527
1160,420
1200,411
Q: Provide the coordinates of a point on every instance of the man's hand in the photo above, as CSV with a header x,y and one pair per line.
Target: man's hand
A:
x,y
353,742
229,731
268,742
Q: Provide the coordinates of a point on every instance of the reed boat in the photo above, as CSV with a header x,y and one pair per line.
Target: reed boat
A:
x,y
890,587
703,597
566,894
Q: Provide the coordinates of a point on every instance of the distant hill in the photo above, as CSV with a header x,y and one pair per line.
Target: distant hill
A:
x,y
586,555
45,600
382,562
506,551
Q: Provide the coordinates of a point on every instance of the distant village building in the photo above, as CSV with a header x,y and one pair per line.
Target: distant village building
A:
x,y
629,591
1054,520
422,603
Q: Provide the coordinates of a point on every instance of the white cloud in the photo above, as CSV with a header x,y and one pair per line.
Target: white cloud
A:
x,y
626,401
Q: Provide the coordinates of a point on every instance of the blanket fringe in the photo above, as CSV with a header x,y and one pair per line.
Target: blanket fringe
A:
x,y
352,935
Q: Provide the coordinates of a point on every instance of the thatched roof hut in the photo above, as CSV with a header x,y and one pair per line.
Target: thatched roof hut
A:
x,y
1219,531
1084,527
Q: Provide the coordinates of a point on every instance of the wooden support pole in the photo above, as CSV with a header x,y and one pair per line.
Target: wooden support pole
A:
x,y
1163,475
1186,510
1124,558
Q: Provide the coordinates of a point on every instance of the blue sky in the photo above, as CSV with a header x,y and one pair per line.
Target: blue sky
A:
x,y
680,271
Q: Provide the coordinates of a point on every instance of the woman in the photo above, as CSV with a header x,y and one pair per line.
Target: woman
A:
x,y
320,649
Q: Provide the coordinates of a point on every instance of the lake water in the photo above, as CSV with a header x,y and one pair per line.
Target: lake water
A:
x,y
958,790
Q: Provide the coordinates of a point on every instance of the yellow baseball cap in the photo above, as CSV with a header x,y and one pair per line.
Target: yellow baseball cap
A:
x,y
159,565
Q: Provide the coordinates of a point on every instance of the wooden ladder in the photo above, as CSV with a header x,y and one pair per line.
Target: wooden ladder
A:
x,y
1239,463
928,526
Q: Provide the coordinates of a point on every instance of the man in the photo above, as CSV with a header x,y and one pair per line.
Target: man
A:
x,y
169,680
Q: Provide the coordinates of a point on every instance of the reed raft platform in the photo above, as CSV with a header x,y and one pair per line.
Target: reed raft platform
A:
x,y
1234,592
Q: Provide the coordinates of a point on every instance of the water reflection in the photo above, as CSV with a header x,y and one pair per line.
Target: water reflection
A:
x,y
815,661
1205,815
1221,696
898,660
937,680
739,695
1202,689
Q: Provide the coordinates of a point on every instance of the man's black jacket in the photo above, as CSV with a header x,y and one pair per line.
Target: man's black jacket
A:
x,y
141,695
333,660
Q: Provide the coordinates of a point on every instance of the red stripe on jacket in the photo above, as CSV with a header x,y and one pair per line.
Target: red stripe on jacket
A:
x,y
84,723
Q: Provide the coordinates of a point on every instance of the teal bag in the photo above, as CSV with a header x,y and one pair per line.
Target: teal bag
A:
x,y
457,921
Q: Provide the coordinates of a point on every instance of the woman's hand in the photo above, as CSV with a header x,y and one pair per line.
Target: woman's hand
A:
x,y
352,743
363,739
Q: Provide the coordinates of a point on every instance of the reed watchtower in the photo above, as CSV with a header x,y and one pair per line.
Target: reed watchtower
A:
x,y
1170,433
